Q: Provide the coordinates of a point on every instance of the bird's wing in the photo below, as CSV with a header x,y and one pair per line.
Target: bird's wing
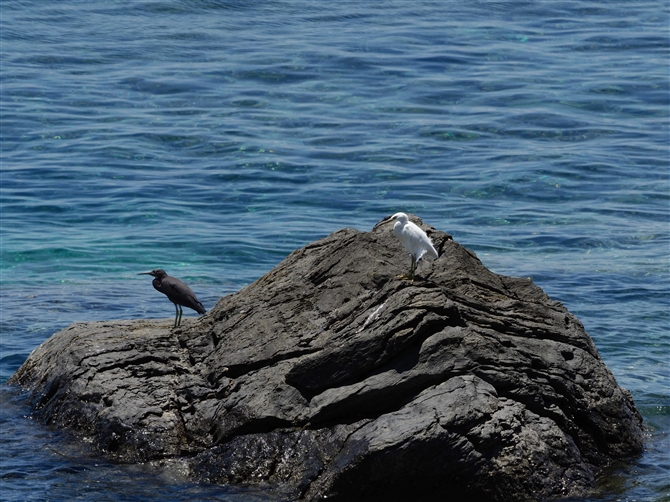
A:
x,y
180,293
422,243
430,249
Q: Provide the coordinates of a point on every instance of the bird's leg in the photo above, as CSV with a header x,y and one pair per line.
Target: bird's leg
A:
x,y
181,312
176,315
412,267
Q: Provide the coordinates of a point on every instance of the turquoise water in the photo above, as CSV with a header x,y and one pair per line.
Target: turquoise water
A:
x,y
212,138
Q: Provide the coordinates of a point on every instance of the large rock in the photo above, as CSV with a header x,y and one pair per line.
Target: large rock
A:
x,y
332,377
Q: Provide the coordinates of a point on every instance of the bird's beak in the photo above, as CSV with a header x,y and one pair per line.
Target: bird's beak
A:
x,y
144,273
383,222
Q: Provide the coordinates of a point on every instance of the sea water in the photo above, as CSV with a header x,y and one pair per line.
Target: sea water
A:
x,y
212,138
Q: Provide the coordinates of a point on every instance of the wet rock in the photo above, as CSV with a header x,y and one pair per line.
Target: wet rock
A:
x,y
332,377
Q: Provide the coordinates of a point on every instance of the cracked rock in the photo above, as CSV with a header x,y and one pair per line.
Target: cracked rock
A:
x,y
330,377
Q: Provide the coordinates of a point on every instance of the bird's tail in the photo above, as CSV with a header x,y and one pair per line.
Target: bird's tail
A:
x,y
201,308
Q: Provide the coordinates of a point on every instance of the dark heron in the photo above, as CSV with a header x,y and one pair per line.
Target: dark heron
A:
x,y
177,292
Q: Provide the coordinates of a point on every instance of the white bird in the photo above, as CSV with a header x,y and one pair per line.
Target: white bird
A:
x,y
414,239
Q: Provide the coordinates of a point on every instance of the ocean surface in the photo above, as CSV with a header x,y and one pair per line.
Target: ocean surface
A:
x,y
212,138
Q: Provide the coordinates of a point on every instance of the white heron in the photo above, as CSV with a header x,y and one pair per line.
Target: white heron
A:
x,y
414,239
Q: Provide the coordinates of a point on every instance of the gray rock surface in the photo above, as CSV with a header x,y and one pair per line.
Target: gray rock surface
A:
x,y
332,377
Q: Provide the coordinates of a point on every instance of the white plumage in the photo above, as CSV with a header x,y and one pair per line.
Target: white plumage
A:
x,y
413,239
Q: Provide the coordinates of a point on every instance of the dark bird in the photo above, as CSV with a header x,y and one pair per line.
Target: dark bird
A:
x,y
177,292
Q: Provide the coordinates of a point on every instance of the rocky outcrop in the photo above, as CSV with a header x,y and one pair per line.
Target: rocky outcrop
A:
x,y
332,377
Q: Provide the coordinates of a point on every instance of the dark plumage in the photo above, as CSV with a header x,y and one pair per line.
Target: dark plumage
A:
x,y
177,292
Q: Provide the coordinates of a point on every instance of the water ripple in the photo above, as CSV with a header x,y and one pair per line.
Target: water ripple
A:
x,y
212,138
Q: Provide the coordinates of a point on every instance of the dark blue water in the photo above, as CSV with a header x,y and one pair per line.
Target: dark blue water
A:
x,y
212,138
